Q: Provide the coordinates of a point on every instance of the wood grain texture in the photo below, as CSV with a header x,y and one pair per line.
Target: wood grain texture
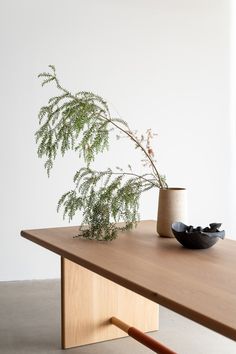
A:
x,y
198,284
89,301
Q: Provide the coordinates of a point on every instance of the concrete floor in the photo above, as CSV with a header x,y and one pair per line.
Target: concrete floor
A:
x,y
30,324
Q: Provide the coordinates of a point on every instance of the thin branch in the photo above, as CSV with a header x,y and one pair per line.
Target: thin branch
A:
x,y
128,133
134,174
141,147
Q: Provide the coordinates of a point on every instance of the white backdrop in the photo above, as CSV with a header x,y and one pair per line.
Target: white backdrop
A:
x,y
162,64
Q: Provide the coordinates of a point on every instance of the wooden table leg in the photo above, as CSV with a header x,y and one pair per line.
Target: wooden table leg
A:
x,y
88,301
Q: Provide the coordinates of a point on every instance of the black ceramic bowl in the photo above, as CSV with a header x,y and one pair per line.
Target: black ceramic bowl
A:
x,y
195,239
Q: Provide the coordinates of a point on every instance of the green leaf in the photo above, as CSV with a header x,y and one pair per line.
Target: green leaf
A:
x,y
82,123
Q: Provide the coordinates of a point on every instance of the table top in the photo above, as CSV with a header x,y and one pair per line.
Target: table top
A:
x,y
198,284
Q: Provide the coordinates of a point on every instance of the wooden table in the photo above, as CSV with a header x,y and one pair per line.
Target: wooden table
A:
x,y
102,279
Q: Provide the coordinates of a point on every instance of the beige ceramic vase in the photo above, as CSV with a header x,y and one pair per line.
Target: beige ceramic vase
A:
x,y
172,207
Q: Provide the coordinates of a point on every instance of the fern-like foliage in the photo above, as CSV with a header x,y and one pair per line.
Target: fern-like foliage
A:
x,y
72,122
82,122
106,198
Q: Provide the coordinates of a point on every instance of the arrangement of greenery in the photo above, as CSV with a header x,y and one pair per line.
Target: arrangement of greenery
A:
x,y
82,122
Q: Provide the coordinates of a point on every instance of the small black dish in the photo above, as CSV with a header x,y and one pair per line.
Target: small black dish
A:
x,y
197,238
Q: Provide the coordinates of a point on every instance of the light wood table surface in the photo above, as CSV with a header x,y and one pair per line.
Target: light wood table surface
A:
x,y
198,284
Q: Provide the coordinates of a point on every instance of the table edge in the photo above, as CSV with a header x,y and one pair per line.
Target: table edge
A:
x,y
155,297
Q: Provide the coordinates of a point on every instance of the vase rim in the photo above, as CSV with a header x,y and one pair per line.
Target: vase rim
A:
x,y
173,188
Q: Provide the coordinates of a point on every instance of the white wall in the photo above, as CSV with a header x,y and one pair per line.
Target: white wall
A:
x,y
232,175
162,63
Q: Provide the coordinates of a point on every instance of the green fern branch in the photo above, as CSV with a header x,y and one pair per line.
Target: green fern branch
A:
x,y
82,122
